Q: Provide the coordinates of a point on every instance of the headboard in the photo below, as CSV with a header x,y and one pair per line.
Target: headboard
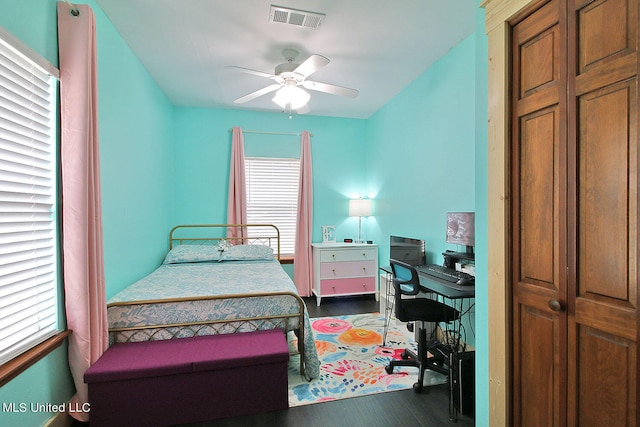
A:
x,y
213,234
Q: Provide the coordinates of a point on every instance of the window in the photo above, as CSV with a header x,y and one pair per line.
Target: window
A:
x,y
28,243
272,197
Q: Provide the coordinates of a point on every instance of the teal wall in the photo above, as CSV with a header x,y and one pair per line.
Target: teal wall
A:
x,y
136,149
427,156
203,147
421,155
422,158
136,171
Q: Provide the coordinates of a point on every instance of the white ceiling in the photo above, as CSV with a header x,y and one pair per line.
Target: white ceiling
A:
x,y
375,46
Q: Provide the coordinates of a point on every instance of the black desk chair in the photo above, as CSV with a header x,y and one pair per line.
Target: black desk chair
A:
x,y
407,282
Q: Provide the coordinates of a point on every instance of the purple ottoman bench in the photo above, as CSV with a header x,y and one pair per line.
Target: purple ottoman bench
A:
x,y
185,380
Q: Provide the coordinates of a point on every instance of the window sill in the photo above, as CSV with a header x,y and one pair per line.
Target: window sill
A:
x,y
21,363
286,259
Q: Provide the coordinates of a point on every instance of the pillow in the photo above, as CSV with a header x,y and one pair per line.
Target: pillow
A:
x,y
192,253
247,253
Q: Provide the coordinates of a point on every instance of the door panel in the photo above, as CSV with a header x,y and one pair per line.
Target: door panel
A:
x,y
538,204
532,39
544,68
539,341
603,240
606,389
604,326
574,214
606,29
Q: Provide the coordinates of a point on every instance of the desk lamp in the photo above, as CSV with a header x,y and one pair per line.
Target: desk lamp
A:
x,y
360,208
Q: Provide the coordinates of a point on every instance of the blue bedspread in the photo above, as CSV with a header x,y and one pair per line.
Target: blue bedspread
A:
x,y
185,284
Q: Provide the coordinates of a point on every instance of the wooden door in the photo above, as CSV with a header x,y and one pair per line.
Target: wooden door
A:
x,y
539,209
574,218
603,269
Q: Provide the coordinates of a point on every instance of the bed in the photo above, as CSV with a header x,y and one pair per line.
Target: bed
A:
x,y
211,284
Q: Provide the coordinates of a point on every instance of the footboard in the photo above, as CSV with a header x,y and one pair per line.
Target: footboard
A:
x,y
150,320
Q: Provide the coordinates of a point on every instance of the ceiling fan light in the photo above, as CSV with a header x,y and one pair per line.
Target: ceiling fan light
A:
x,y
292,96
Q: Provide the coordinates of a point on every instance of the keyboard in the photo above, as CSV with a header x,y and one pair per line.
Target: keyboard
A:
x,y
444,273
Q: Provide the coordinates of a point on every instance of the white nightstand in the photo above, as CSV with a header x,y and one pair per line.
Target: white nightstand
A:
x,y
341,269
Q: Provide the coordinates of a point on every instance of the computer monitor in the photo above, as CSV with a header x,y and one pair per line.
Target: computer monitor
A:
x,y
409,250
461,229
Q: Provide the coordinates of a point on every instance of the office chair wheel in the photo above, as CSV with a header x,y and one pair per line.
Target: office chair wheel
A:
x,y
417,387
389,369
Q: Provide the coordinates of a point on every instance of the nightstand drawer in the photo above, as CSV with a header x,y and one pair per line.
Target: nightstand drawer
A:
x,y
361,285
329,270
351,254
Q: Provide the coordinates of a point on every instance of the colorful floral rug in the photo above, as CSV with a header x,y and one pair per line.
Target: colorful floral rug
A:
x,y
352,360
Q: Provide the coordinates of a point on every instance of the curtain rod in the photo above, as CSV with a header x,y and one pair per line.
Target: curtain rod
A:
x,y
270,133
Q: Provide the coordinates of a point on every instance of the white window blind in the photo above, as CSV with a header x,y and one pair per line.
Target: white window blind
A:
x,y
28,255
272,196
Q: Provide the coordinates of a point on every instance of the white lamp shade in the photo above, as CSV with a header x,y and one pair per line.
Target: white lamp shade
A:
x,y
360,207
291,95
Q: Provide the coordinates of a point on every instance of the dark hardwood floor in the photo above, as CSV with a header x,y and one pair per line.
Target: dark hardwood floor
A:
x,y
399,408
342,305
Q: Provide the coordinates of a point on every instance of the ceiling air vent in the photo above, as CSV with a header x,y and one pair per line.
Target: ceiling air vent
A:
x,y
299,18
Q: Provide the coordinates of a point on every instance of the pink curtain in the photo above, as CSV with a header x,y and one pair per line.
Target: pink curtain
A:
x,y
83,263
302,267
237,202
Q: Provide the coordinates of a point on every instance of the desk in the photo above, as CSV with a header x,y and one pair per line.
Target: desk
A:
x,y
446,289
432,284
456,294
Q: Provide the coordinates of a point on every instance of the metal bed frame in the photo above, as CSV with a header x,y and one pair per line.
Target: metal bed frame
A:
x,y
182,235
188,234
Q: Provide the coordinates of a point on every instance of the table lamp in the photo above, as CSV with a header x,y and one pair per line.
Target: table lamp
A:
x,y
360,208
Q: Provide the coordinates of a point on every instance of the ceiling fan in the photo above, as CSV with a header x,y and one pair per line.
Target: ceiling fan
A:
x,y
289,77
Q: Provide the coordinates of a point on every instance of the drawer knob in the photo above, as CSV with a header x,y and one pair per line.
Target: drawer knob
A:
x,y
364,285
334,271
333,256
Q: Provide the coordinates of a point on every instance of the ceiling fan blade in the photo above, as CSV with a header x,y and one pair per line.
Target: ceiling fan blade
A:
x,y
303,110
257,93
249,71
332,89
311,65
